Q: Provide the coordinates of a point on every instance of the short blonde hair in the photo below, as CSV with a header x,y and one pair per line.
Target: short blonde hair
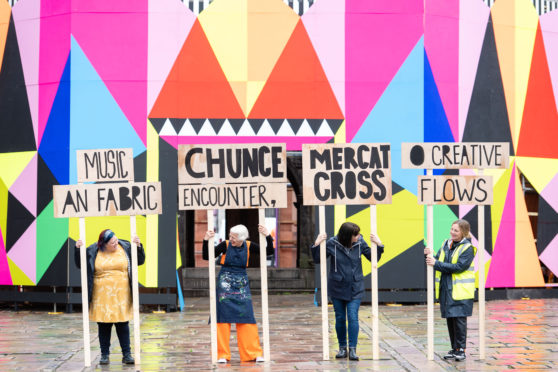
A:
x,y
241,231
464,227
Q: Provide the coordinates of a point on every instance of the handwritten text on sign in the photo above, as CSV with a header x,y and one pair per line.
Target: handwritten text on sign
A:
x,y
105,165
346,174
455,155
110,199
476,190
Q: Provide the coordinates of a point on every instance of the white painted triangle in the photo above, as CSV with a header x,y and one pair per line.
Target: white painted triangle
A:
x,y
167,129
187,129
305,130
285,130
226,129
246,130
207,129
325,130
266,130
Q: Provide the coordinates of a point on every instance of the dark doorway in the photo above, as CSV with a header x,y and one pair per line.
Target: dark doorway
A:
x,y
248,218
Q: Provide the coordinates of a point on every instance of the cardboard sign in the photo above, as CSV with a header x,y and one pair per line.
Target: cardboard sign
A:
x,y
105,165
353,173
476,190
110,199
238,163
259,195
455,155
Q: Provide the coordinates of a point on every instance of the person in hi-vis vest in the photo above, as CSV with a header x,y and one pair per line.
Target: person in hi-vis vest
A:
x,y
455,284
234,300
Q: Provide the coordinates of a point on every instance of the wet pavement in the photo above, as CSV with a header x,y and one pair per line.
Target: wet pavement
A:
x,y
521,334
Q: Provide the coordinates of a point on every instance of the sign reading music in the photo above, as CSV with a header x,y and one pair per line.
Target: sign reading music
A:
x,y
105,165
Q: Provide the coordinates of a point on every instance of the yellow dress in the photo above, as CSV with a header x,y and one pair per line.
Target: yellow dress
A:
x,y
112,299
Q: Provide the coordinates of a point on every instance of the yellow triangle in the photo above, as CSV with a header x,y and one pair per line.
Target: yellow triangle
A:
x,y
500,192
539,171
253,90
341,134
18,276
240,92
12,164
3,210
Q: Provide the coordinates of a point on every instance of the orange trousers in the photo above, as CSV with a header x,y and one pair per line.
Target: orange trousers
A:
x,y
248,341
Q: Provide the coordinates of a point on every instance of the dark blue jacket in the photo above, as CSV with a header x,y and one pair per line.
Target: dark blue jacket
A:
x,y
91,256
345,280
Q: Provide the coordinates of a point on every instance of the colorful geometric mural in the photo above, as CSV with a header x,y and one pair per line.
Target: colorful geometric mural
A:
x,y
154,75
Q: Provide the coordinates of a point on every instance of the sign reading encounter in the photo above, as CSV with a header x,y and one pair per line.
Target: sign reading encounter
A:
x,y
105,165
476,190
353,173
232,176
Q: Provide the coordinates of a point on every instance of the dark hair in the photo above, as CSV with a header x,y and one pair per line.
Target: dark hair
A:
x,y
103,238
346,232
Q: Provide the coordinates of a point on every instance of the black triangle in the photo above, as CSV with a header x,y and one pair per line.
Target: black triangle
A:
x,y
217,124
197,124
275,124
57,271
334,124
315,124
351,210
16,125
177,124
140,167
45,181
395,188
473,218
547,225
256,124
19,219
487,119
158,124
236,124
295,124
407,270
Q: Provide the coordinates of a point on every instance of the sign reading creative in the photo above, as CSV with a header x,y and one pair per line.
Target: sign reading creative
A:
x,y
476,190
232,176
353,173
105,165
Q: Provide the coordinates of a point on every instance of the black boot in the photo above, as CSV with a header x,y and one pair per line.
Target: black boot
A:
x,y
352,353
128,359
342,354
104,359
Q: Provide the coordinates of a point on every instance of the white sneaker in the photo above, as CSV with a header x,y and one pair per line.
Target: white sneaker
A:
x,y
222,360
260,359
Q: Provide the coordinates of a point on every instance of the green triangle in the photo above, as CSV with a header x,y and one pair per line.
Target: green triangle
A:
x,y
51,234
443,218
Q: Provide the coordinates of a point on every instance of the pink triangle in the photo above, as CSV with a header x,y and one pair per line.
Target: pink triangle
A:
x,y
28,27
54,50
441,42
5,276
117,49
25,187
476,261
550,255
549,28
325,24
473,18
550,193
379,35
170,22
23,252
502,266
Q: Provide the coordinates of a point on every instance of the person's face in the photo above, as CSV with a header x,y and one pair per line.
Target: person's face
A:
x,y
354,238
112,244
235,241
455,232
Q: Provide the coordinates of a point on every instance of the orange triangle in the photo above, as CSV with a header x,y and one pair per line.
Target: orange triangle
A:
x,y
196,86
5,13
539,127
297,87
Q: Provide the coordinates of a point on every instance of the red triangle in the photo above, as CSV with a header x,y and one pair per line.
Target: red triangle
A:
x,y
196,86
297,87
539,128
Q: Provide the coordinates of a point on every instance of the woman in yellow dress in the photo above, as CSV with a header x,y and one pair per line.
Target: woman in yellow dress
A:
x,y
109,284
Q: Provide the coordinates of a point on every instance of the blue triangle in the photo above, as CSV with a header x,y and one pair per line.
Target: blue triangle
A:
x,y
56,137
399,115
96,119
436,125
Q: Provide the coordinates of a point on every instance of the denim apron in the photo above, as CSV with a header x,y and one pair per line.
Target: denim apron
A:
x,y
234,300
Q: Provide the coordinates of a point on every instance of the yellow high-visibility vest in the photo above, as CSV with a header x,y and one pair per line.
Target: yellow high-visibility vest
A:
x,y
464,282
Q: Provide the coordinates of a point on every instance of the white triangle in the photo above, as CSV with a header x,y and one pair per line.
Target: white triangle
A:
x,y
325,130
266,130
285,130
187,129
246,130
305,130
167,129
227,129
207,129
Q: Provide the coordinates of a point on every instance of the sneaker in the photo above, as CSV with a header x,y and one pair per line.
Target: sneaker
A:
x,y
222,360
104,359
128,359
450,354
460,355
260,359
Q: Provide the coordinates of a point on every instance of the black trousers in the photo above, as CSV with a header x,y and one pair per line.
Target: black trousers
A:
x,y
457,328
123,333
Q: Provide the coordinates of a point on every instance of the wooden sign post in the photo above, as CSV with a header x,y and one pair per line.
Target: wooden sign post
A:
x,y
112,199
455,190
355,173
233,176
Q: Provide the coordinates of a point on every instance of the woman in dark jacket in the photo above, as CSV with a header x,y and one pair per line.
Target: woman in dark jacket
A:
x,y
455,284
345,282
109,285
